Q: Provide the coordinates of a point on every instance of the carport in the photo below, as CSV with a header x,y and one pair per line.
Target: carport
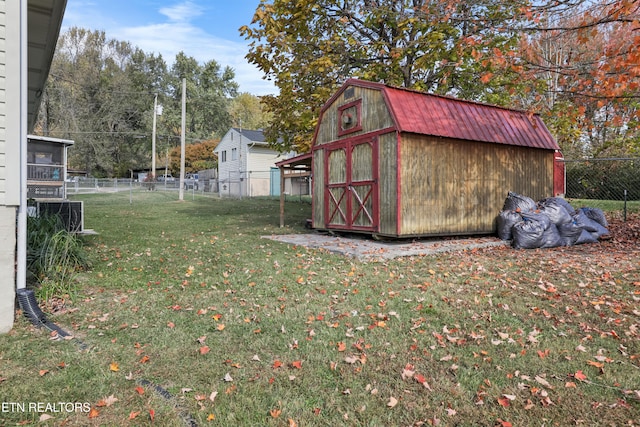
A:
x,y
295,167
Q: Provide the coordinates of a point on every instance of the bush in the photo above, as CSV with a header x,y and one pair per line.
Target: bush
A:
x,y
53,256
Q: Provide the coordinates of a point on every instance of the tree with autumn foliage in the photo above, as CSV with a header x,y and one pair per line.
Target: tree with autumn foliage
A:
x,y
197,156
309,47
575,62
586,57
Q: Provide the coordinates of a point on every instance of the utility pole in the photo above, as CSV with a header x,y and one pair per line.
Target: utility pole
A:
x,y
153,137
183,124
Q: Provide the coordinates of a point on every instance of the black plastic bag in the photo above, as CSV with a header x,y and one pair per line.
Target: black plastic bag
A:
x,y
519,203
528,234
506,221
596,214
551,238
588,224
586,237
556,211
558,201
570,232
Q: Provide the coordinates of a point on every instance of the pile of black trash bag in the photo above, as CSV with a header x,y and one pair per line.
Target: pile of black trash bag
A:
x,y
548,223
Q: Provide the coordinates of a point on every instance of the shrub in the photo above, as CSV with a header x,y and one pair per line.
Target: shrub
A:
x,y
53,256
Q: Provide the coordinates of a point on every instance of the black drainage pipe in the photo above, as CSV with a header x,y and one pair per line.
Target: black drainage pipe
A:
x,y
29,305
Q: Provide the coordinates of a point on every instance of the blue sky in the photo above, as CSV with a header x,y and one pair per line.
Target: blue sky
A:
x,y
202,29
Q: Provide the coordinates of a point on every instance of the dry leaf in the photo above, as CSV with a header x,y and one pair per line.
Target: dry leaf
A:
x,y
114,367
133,414
212,396
44,417
392,402
228,378
542,381
204,350
275,413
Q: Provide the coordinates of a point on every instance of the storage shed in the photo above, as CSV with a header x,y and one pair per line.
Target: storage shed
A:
x,y
400,163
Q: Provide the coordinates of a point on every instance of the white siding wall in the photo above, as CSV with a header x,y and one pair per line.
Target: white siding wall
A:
x,y
9,154
252,164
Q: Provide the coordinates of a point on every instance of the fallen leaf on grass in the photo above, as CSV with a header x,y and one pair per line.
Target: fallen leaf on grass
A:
x,y
275,413
204,350
504,401
297,364
139,390
107,401
133,414
152,414
392,402
93,413
276,364
228,378
579,375
212,396
43,372
542,381
341,346
44,417
114,367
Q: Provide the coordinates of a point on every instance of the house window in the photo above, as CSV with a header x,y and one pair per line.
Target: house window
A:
x,y
223,156
234,154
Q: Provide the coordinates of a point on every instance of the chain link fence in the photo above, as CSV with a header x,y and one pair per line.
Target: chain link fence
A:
x,y
607,183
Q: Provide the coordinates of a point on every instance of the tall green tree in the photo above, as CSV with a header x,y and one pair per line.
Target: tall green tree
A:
x,y
101,92
210,89
92,98
247,112
309,47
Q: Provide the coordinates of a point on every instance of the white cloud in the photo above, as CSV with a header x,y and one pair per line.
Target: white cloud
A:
x,y
182,12
177,34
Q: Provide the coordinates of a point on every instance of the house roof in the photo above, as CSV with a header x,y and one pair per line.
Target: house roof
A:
x,y
38,138
252,135
428,114
44,18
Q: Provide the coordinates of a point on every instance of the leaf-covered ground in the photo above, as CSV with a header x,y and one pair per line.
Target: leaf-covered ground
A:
x,y
188,317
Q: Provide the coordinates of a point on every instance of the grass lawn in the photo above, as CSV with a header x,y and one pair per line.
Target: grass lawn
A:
x,y
188,317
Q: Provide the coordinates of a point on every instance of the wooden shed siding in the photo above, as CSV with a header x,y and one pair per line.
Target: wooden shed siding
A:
x,y
458,187
375,115
388,183
318,189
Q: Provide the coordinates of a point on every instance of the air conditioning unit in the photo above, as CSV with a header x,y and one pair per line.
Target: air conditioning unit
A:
x,y
71,213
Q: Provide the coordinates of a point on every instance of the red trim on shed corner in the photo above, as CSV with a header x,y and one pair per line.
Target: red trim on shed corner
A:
x,y
398,183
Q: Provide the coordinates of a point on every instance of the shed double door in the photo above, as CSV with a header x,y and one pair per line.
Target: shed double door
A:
x,y
351,184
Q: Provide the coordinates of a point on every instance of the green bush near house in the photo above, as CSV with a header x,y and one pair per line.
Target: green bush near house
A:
x,y
53,256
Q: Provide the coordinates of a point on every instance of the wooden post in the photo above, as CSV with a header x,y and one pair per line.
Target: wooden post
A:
x,y
281,196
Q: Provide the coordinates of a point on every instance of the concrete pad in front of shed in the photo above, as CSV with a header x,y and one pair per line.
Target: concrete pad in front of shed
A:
x,y
366,249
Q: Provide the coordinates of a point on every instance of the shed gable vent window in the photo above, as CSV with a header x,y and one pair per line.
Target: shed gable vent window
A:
x,y
349,117
223,156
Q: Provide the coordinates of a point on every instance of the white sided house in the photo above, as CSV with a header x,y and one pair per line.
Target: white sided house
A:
x,y
247,165
28,35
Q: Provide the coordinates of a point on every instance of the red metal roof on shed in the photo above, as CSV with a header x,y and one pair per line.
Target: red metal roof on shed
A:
x,y
428,114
